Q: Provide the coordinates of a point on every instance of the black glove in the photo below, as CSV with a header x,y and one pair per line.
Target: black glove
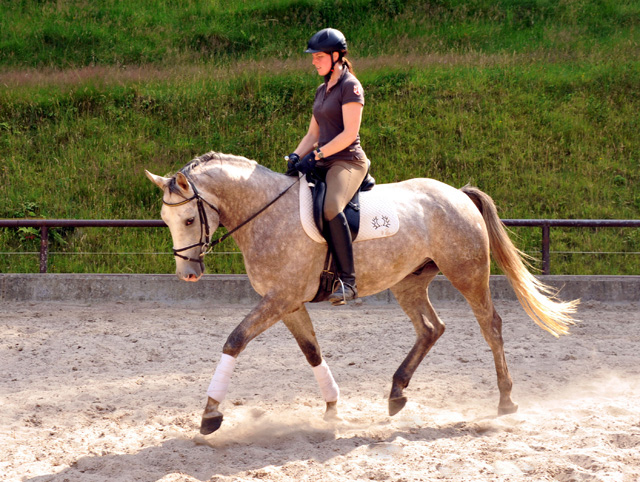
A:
x,y
307,163
292,160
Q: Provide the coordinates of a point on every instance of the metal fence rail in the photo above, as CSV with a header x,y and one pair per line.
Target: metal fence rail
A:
x,y
45,224
545,224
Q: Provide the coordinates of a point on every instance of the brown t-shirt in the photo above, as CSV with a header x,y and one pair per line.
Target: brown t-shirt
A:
x,y
327,110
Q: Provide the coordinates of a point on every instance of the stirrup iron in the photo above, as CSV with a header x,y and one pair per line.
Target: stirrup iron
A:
x,y
343,287
343,301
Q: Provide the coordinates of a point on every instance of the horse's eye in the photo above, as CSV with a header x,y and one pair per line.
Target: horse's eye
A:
x,y
190,221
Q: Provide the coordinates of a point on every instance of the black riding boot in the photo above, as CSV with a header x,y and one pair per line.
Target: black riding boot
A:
x,y
342,249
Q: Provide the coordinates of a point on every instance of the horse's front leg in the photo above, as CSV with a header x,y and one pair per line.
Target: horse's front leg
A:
x,y
300,325
270,309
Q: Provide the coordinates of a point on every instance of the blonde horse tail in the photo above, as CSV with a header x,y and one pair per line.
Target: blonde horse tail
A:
x,y
538,299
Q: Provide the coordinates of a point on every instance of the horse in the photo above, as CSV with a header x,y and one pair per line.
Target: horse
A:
x,y
442,229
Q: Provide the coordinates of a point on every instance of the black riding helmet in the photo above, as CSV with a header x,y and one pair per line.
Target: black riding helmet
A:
x,y
328,40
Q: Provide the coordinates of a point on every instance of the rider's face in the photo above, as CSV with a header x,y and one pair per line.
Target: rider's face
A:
x,y
322,63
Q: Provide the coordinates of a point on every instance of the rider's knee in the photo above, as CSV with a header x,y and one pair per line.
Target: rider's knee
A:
x,y
331,210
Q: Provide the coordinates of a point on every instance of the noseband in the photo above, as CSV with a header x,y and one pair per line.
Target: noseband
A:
x,y
206,246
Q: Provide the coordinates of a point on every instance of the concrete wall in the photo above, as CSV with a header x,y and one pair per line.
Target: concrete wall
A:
x,y
236,289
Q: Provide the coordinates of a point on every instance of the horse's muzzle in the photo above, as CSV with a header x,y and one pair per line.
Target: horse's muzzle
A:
x,y
189,272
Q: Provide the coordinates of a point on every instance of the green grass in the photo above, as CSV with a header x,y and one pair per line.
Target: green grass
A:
x,y
535,102
109,32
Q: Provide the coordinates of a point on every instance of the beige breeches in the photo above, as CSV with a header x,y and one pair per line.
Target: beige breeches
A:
x,y
343,180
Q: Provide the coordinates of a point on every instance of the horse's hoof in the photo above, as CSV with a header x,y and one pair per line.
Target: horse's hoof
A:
x,y
396,404
513,408
331,414
210,424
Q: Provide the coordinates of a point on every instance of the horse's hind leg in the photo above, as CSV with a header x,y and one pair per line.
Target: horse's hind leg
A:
x,y
411,294
492,332
300,325
479,297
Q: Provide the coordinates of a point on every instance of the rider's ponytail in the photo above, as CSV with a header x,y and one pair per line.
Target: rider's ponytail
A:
x,y
347,62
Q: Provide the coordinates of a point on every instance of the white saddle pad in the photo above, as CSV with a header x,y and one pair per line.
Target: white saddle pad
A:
x,y
378,215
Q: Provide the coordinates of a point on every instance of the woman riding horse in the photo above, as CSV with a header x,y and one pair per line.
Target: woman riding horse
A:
x,y
332,144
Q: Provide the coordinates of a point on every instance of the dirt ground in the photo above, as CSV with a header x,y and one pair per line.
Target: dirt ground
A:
x,y
114,392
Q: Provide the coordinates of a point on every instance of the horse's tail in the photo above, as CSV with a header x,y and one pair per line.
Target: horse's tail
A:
x,y
539,300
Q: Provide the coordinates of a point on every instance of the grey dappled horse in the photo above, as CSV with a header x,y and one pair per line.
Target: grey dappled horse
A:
x,y
442,229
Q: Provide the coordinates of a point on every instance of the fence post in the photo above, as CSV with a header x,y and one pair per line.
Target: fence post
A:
x,y
546,260
44,248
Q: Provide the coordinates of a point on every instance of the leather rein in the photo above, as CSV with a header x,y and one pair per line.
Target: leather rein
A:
x,y
206,245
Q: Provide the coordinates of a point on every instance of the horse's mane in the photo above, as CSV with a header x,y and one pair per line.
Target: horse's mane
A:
x,y
214,156
204,159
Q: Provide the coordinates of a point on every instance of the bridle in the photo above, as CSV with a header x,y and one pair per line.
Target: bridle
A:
x,y
206,246
205,232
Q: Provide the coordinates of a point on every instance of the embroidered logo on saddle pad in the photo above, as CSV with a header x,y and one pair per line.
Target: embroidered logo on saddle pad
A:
x,y
378,216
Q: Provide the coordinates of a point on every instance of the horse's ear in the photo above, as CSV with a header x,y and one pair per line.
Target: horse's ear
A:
x,y
159,181
182,182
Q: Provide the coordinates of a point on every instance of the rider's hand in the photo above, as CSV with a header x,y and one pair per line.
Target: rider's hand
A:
x,y
292,159
307,163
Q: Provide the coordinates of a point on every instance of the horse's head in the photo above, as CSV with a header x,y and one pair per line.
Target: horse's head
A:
x,y
191,220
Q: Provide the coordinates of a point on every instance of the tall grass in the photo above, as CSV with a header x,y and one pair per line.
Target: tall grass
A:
x,y
535,102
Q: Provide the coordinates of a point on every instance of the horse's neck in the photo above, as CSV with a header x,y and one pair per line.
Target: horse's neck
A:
x,y
241,189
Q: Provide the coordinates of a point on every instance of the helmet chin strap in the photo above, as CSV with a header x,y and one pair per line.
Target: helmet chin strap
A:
x,y
333,64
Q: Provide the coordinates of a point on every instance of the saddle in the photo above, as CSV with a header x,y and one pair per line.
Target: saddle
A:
x,y
317,183
316,180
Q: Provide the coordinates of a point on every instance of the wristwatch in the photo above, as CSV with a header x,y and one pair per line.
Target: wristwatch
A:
x,y
319,154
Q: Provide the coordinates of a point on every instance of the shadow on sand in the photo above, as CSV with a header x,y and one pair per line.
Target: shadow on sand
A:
x,y
203,458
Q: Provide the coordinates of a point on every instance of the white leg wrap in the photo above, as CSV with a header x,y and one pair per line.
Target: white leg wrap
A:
x,y
328,386
220,381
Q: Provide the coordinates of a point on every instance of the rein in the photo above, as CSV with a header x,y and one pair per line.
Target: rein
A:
x,y
206,246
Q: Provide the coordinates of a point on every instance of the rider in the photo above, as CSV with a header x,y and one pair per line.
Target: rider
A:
x,y
333,144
